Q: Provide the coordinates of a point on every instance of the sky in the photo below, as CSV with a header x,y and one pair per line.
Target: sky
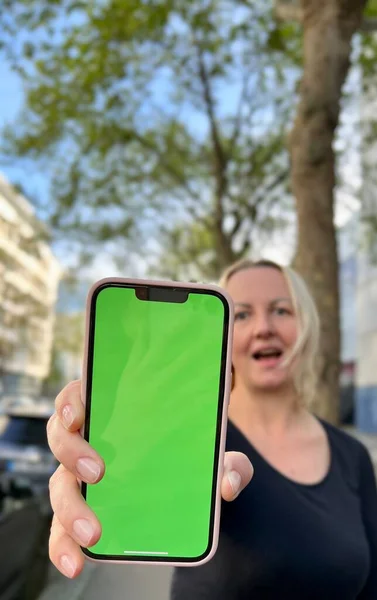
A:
x,y
280,248
11,100
10,94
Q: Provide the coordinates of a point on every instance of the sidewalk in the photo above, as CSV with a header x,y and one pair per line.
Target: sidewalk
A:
x,y
60,588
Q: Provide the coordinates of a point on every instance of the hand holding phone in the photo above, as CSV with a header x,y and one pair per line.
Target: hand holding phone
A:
x,y
75,525
157,383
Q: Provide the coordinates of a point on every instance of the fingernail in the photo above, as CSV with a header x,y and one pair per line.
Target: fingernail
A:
x,y
68,415
83,530
235,481
88,469
68,565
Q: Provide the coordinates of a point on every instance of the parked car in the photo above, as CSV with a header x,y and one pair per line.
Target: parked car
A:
x,y
26,465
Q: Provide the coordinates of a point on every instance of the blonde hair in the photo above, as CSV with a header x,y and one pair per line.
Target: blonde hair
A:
x,y
306,346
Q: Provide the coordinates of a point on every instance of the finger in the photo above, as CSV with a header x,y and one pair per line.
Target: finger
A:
x,y
64,552
69,406
71,510
74,452
238,472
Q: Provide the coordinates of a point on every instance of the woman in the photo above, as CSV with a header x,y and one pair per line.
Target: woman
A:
x,y
306,526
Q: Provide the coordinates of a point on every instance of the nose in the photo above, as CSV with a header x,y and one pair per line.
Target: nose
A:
x,y
262,326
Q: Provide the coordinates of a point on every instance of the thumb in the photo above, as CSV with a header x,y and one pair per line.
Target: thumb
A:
x,y
238,472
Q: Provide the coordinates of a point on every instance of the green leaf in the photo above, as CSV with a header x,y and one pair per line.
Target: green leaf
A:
x,y
28,50
371,9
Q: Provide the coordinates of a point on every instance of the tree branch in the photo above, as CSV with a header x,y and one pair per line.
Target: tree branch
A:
x,y
269,152
245,247
210,105
238,118
280,178
237,223
251,208
219,152
169,169
222,241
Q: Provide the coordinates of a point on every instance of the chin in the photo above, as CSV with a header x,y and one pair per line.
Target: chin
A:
x,y
271,384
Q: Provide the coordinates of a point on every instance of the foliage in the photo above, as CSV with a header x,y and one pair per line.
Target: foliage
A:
x,y
157,120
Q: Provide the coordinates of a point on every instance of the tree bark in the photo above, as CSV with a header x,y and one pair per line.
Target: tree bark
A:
x,y
328,28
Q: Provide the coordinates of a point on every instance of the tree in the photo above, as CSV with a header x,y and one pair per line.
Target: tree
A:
x,y
159,120
328,30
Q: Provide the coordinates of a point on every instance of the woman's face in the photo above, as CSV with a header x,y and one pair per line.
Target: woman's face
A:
x,y
265,328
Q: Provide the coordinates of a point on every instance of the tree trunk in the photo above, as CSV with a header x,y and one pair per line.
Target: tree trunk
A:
x,y
225,254
328,26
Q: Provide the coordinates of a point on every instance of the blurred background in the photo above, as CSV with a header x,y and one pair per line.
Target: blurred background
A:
x,y
169,139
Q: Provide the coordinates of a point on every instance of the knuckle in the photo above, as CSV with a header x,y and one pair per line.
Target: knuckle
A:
x,y
51,486
54,436
53,543
51,483
53,528
60,501
67,394
60,449
64,508
51,424
56,479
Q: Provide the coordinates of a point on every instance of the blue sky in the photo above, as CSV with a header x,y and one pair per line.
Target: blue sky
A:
x,y
11,100
10,94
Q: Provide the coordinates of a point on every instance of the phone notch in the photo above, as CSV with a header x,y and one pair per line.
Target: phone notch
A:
x,y
161,294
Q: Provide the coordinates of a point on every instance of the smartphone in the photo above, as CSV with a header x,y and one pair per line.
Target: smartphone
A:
x,y
156,384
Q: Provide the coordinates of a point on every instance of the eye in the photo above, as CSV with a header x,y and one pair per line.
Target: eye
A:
x,y
242,315
281,311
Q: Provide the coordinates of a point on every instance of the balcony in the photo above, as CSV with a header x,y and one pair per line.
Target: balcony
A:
x,y
29,263
13,308
8,335
25,287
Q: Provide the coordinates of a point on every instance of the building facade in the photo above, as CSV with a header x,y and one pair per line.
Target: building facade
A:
x,y
366,299
358,296
366,346
29,279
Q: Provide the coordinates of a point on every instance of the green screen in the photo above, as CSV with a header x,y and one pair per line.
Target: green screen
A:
x,y
154,411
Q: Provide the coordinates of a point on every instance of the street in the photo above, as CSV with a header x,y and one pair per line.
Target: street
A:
x,y
113,582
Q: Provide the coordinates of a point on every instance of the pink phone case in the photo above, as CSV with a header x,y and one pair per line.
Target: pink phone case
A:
x,y
227,390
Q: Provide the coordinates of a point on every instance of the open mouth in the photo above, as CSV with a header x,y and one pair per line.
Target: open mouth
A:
x,y
269,353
